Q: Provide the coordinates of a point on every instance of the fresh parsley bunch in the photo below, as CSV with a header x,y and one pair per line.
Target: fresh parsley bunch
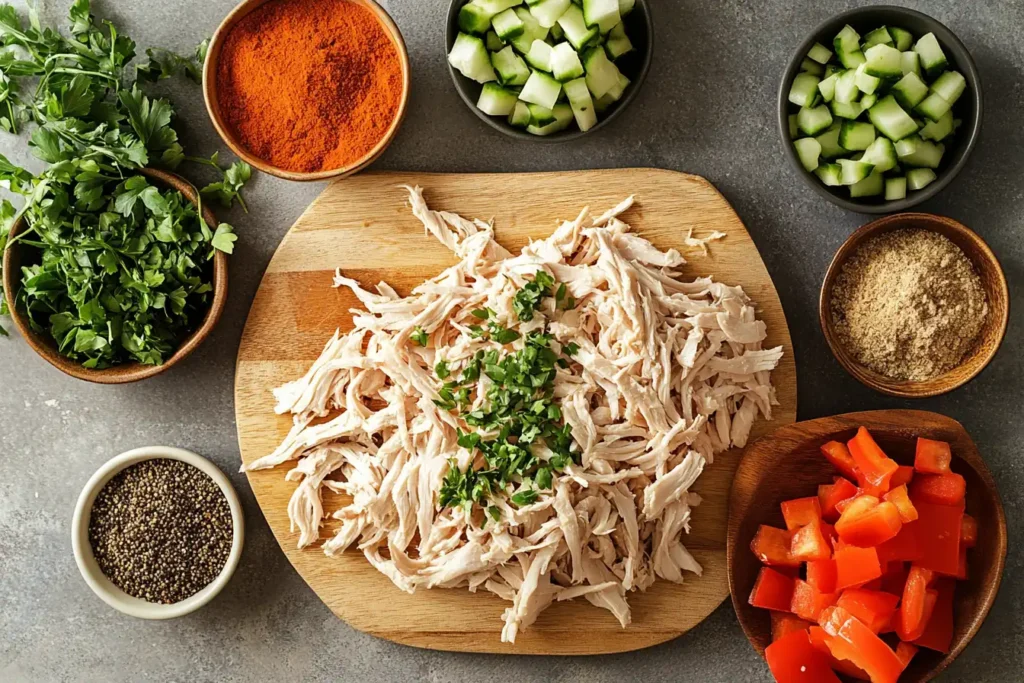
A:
x,y
124,268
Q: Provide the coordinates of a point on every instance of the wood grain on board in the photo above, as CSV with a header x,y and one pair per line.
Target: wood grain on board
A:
x,y
363,226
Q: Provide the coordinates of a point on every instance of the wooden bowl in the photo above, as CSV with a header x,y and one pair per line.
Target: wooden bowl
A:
x,y
213,104
787,464
992,279
127,372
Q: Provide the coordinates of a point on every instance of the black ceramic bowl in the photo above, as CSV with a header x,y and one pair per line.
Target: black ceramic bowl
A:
x,y
634,65
968,108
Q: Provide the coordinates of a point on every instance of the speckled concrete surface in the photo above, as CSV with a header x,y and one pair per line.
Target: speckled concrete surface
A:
x,y
708,108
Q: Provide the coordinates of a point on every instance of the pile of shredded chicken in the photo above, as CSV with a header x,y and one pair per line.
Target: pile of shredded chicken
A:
x,y
667,374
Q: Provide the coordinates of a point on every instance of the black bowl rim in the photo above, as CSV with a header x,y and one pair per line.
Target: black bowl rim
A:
x,y
967,65
562,136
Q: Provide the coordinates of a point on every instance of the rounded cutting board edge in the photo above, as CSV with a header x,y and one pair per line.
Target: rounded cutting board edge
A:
x,y
363,225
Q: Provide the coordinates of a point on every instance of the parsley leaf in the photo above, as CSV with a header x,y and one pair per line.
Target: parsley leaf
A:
x,y
419,336
224,239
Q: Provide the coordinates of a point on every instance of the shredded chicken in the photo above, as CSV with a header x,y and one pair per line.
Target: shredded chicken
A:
x,y
668,373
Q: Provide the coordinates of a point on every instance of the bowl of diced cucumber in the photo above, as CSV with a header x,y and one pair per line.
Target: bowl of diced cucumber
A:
x,y
548,70
879,108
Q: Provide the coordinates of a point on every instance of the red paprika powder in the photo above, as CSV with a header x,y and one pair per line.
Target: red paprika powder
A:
x,y
309,85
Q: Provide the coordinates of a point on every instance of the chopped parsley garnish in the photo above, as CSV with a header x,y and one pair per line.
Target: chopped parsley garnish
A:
x,y
419,336
529,297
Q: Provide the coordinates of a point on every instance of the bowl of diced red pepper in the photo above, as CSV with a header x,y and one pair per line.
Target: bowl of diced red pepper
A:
x,y
875,571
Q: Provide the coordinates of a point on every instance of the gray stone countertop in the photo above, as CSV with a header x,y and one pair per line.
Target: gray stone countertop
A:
x,y
708,107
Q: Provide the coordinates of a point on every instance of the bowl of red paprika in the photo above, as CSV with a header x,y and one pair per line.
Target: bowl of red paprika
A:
x,y
307,90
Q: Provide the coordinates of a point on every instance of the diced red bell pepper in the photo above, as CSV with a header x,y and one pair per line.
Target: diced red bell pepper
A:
x,y
818,640
809,544
905,652
771,545
938,634
800,512
904,475
783,624
772,590
793,659
932,457
941,489
867,651
868,523
937,536
874,608
904,547
839,455
822,575
899,497
829,532
968,532
961,567
894,579
856,566
874,585
872,462
832,617
830,495
808,602
913,607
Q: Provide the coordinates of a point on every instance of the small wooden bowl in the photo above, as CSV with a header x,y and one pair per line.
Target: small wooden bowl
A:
x,y
127,372
992,279
787,464
213,104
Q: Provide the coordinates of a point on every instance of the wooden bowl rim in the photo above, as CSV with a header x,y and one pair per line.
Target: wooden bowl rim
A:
x,y
127,372
242,10
982,259
880,420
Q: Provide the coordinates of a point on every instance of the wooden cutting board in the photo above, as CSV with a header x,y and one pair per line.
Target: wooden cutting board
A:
x,y
363,225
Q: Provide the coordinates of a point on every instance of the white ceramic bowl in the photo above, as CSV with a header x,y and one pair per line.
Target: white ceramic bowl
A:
x,y
94,576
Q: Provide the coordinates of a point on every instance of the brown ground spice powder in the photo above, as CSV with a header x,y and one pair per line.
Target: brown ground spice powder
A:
x,y
909,305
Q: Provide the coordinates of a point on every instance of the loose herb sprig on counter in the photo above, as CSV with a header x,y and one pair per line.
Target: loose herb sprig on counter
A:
x,y
124,270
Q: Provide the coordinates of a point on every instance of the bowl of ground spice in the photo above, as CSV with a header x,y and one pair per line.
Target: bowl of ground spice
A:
x,y
307,89
157,532
914,305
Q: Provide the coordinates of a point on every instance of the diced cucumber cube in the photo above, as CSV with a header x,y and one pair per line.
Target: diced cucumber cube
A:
x,y
496,101
625,6
895,188
804,89
866,83
910,63
950,86
618,42
808,150
508,25
847,46
582,103
920,178
880,36
539,56
882,154
511,68
846,87
563,117
565,63
532,30
934,106
520,116
902,39
939,130
910,90
852,172
540,116
470,57
621,83
547,12
492,42
819,53
829,141
813,121
845,110
602,13
557,34
933,59
872,186
575,27
474,17
812,67
856,135
541,89
868,101
883,61
827,88
830,174
496,6
602,74
891,120
914,151
793,129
